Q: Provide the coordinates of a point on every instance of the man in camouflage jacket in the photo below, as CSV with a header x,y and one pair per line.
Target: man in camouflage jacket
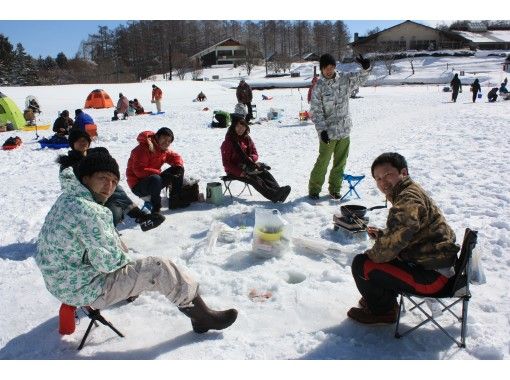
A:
x,y
415,253
330,112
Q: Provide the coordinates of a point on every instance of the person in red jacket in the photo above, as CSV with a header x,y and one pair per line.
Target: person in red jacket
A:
x,y
157,95
240,158
144,175
310,90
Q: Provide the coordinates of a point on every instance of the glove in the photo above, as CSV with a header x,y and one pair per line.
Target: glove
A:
x,y
364,62
325,137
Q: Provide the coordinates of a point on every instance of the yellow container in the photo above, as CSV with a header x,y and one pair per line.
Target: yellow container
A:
x,y
269,236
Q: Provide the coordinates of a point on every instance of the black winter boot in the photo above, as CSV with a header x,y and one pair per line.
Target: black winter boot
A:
x,y
204,319
146,221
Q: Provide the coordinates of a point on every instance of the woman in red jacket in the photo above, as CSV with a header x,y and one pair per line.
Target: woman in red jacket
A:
x,y
240,157
144,175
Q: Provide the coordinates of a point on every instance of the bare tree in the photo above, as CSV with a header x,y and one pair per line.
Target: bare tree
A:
x,y
388,58
197,70
181,64
410,58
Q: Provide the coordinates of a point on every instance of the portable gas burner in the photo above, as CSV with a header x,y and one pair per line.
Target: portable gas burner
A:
x,y
351,224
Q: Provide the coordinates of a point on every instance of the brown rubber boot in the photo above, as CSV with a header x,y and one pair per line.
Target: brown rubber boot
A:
x,y
204,319
365,316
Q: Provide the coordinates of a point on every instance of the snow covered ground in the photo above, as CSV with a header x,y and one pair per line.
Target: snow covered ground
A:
x,y
458,152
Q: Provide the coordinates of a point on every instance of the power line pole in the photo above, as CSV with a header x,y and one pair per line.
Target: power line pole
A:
x,y
170,61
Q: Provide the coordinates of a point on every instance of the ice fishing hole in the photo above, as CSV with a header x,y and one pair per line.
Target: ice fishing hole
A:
x,y
294,277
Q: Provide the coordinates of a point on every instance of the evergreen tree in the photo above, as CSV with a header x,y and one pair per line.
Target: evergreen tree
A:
x,y
6,59
61,60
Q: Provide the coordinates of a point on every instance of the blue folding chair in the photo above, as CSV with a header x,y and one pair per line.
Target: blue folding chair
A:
x,y
353,180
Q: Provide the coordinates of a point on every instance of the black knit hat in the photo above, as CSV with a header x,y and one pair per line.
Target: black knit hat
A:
x,y
98,161
75,134
326,60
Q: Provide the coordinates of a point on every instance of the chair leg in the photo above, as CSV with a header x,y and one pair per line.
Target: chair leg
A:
x,y
430,318
400,308
95,315
465,303
227,188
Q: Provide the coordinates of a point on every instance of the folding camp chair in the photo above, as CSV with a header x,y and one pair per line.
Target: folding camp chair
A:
x,y
227,180
457,289
95,316
353,182
67,317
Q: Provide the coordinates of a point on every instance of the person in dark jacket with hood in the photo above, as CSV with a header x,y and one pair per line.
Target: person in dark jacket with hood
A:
x,y
63,123
456,86
240,157
415,253
475,89
119,203
244,95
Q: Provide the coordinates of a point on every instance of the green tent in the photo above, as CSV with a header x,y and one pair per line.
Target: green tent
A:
x,y
9,112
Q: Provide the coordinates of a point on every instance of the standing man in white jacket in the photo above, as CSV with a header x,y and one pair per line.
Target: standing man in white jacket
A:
x,y
330,113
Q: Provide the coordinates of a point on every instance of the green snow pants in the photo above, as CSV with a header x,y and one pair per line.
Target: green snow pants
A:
x,y
340,150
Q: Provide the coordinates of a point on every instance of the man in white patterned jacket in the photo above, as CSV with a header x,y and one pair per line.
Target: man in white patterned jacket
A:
x,y
330,112
84,262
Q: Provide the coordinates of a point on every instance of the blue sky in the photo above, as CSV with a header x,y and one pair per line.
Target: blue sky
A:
x,y
50,37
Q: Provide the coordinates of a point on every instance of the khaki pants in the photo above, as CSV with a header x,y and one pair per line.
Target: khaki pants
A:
x,y
158,104
148,274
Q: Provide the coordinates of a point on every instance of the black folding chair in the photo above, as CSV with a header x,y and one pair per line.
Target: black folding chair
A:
x,y
95,316
227,180
456,289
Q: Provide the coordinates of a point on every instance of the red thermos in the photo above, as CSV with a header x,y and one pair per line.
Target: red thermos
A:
x,y
67,322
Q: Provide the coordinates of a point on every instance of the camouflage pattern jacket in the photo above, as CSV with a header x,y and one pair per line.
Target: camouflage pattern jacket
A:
x,y
330,103
416,231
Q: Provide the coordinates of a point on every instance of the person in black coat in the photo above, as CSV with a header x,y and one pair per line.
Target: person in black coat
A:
x,y
119,203
475,88
493,95
63,124
456,86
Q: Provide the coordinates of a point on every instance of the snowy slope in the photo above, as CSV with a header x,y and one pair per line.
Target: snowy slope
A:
x,y
458,152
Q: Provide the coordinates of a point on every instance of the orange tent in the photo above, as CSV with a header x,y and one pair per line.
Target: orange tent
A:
x,y
98,99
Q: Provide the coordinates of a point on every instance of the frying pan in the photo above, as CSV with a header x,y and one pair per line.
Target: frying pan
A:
x,y
356,210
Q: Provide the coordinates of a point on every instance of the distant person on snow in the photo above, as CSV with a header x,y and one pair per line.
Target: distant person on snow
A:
x,y
240,157
330,112
157,95
415,253
244,95
34,106
503,89
456,86
81,119
201,97
84,262
122,108
29,116
475,89
310,90
492,96
138,107
119,203
63,124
